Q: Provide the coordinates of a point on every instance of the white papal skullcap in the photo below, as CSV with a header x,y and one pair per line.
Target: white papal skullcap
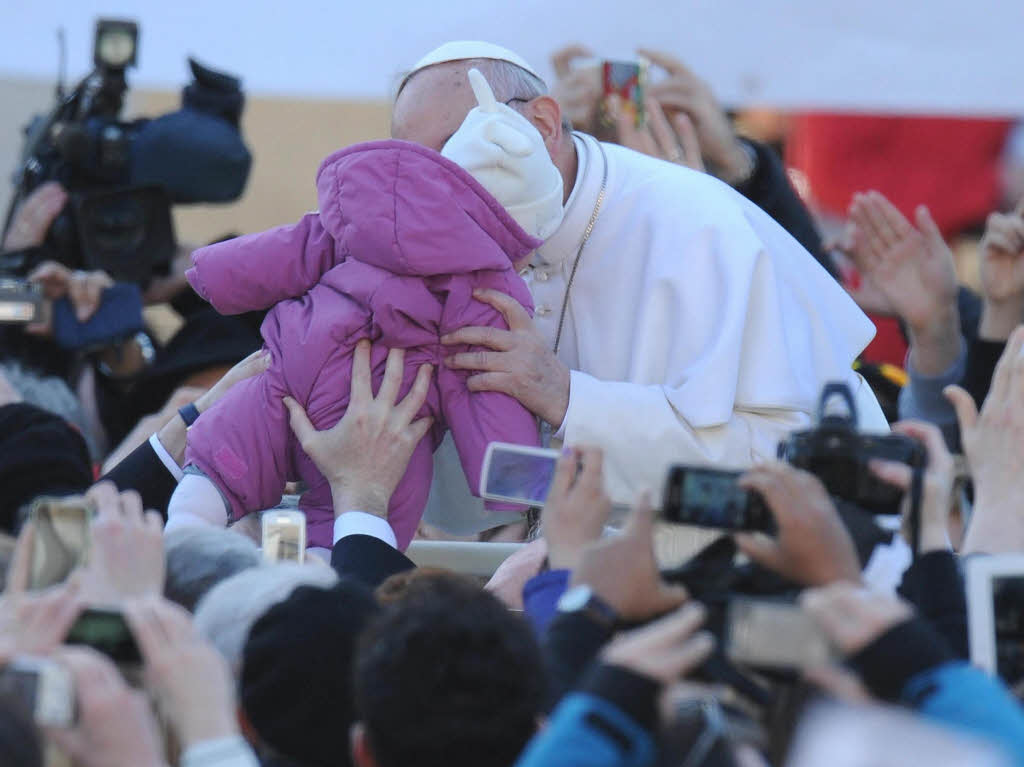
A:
x,y
460,50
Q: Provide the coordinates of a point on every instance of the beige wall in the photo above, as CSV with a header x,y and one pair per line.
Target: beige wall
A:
x,y
288,138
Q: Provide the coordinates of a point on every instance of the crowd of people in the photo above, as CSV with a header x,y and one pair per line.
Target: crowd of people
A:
x,y
535,266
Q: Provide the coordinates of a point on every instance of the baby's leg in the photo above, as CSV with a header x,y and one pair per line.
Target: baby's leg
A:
x,y
241,444
196,501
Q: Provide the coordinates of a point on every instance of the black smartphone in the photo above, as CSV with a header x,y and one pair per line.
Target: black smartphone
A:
x,y
107,632
704,497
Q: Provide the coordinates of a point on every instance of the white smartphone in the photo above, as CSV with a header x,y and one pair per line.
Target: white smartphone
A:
x,y
766,633
841,735
284,536
43,688
995,614
517,473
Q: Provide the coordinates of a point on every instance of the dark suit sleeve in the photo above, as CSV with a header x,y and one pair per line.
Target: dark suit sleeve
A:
x,y
143,471
368,559
936,587
982,357
769,189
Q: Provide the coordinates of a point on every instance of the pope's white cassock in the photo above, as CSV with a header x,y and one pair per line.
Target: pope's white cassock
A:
x,y
697,329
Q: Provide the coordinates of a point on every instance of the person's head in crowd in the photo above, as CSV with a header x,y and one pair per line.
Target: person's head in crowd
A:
x,y
226,614
394,587
198,558
296,684
434,98
446,676
40,454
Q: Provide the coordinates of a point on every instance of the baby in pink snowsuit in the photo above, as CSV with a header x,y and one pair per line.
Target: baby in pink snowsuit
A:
x,y
402,238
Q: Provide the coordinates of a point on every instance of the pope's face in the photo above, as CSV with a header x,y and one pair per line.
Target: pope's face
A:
x,y
432,105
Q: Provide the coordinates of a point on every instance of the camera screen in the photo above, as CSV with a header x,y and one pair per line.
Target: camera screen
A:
x,y
713,499
521,476
106,632
1008,610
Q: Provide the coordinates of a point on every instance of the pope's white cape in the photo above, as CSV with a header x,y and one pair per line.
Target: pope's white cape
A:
x,y
698,330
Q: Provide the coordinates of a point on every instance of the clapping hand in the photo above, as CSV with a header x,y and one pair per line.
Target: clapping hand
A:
x,y
912,269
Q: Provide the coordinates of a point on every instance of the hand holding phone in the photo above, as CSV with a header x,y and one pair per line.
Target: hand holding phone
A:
x,y
772,634
42,688
21,301
628,81
60,539
704,497
284,536
995,614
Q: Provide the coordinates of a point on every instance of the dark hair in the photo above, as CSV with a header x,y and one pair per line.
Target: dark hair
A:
x,y
448,676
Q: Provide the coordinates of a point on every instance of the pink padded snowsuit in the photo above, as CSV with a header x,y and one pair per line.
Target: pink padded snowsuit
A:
x,y
402,238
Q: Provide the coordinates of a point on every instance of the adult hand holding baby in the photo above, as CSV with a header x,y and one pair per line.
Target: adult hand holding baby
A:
x,y
365,454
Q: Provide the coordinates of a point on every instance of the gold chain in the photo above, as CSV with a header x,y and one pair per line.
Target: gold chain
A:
x,y
583,242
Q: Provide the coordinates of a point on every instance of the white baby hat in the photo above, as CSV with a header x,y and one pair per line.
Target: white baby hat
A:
x,y
504,152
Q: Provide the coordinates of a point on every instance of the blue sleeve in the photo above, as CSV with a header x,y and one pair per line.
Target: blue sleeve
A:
x,y
540,597
587,731
965,697
923,400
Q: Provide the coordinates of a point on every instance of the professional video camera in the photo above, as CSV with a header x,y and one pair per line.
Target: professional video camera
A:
x,y
122,177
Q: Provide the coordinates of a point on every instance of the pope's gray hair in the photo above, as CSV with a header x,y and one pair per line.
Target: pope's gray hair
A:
x,y
507,80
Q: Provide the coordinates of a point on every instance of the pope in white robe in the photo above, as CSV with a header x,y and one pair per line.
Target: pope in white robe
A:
x,y
696,330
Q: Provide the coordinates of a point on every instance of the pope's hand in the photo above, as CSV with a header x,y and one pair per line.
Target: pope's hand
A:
x,y
517,361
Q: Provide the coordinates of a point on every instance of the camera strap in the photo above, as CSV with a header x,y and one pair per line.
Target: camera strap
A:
x,y
914,516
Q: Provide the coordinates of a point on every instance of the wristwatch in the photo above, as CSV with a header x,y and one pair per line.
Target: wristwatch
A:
x,y
189,413
582,599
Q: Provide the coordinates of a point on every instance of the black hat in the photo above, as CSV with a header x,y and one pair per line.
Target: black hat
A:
x,y
40,454
296,685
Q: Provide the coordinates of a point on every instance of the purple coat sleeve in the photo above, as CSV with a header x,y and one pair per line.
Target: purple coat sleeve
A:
x,y
476,419
259,270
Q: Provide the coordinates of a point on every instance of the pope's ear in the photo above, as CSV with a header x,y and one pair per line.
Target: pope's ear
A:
x,y
546,116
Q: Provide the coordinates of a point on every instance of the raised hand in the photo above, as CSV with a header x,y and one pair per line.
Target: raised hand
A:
x,y
186,675
1002,274
578,89
812,546
994,443
622,570
577,507
912,267
683,93
852,616
937,487
671,139
663,650
126,557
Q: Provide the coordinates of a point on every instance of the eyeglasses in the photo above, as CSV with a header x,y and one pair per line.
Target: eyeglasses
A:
x,y
516,98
